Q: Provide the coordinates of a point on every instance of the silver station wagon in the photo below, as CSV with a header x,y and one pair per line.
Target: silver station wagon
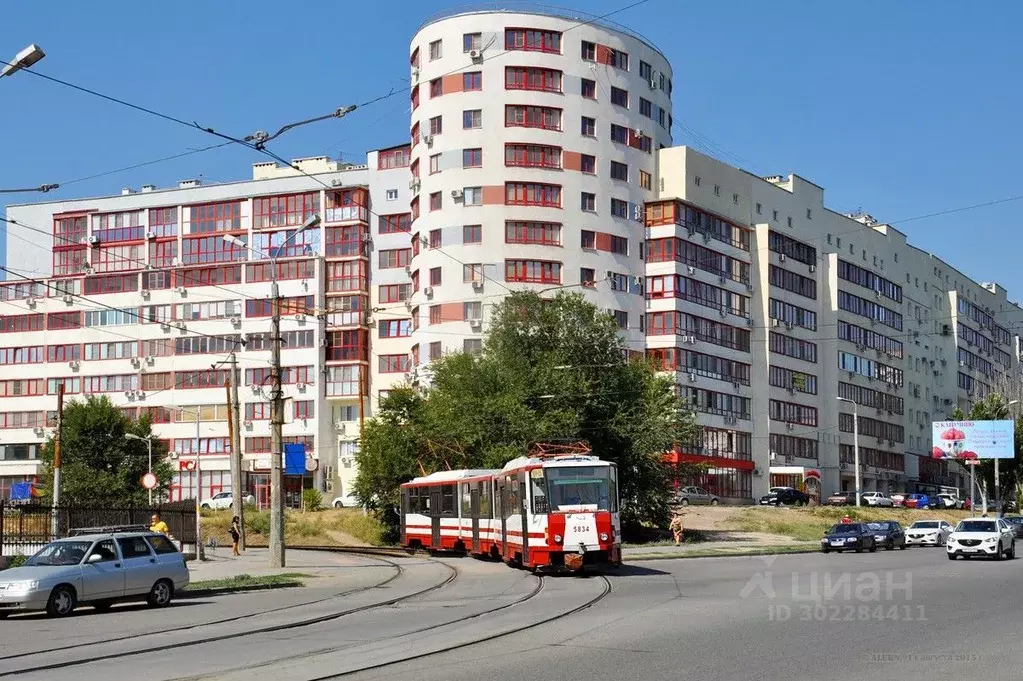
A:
x,y
95,569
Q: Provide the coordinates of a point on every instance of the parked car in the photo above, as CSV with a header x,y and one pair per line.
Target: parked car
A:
x,y
1016,523
946,500
876,499
889,534
222,500
917,501
849,536
928,533
898,499
785,496
991,537
99,570
345,501
842,499
696,495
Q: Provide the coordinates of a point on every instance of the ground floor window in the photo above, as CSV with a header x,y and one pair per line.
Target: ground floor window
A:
x,y
727,483
183,484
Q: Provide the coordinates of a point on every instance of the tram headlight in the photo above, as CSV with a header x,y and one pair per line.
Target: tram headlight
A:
x,y
557,539
603,536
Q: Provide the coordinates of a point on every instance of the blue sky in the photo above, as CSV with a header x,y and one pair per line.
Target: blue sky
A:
x,y
895,109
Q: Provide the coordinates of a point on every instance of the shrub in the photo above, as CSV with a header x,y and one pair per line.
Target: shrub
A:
x,y
312,500
258,522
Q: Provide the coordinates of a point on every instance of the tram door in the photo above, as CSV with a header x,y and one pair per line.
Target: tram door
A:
x,y
435,515
523,512
504,516
474,509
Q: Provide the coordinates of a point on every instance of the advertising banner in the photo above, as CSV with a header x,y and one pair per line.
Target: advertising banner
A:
x,y
972,440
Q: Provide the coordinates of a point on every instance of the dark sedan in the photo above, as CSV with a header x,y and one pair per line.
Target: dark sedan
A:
x,y
849,536
785,497
1016,523
889,534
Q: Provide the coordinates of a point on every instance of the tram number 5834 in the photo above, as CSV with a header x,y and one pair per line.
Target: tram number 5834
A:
x,y
580,528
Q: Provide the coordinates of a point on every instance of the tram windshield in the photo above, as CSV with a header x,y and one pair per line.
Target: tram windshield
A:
x,y
567,488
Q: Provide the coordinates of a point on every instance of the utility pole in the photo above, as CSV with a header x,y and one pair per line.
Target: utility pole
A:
x,y
199,553
276,438
234,418
55,525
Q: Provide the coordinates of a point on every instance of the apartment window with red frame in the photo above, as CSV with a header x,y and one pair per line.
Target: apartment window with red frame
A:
x,y
305,409
393,293
343,241
472,234
257,411
395,328
532,40
414,206
56,321
532,78
532,156
162,253
619,97
472,158
436,87
435,276
284,211
436,239
193,380
389,159
537,233
70,231
588,89
588,51
392,224
294,269
472,80
435,201
588,164
531,194
395,257
436,125
414,97
210,249
523,116
394,364
63,353
215,217
69,261
346,276
532,271
435,314
414,59
347,346
118,283
414,134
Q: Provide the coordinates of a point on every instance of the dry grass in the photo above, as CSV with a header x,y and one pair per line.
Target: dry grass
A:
x,y
808,524
312,528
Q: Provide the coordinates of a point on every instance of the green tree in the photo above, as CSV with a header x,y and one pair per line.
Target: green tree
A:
x,y
995,407
550,369
98,463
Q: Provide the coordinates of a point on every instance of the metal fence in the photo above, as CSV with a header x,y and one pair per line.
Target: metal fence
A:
x,y
25,528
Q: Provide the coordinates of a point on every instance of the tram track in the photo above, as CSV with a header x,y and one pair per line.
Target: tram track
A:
x,y
453,573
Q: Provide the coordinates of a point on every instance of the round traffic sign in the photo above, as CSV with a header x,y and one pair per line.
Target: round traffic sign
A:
x,y
149,481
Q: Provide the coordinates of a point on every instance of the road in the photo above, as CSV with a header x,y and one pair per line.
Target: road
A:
x,y
887,615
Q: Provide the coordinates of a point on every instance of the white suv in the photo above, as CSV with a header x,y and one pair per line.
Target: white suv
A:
x,y
225,500
876,499
982,537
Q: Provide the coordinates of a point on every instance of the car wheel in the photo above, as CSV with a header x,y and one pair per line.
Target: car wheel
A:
x,y
161,593
1011,553
62,602
859,549
713,502
1000,554
338,504
873,546
825,549
684,502
952,556
889,546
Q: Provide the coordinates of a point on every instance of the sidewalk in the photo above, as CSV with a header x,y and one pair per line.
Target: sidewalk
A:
x,y
738,546
220,564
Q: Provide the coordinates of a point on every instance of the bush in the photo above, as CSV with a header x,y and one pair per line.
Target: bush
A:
x,y
16,561
258,522
312,500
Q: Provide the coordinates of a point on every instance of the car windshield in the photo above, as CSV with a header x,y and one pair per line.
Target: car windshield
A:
x,y
878,526
60,553
591,488
845,529
977,526
924,525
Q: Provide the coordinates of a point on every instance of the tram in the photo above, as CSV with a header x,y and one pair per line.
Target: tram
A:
x,y
554,509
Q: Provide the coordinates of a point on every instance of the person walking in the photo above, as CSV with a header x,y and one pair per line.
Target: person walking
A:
x,y
676,526
158,525
236,533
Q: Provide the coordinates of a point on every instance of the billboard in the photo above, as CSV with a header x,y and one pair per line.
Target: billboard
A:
x,y
972,440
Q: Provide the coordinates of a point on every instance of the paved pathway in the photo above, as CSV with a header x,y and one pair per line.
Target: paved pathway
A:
x,y
220,564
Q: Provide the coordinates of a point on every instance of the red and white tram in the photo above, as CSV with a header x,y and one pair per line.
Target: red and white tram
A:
x,y
549,510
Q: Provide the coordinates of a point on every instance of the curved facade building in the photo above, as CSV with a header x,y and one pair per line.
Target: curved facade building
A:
x,y
534,147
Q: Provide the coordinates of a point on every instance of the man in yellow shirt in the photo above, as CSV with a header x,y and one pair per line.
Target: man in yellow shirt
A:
x,y
158,525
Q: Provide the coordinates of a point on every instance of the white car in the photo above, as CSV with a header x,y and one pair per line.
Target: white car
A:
x,y
876,499
225,500
346,501
946,500
928,533
982,537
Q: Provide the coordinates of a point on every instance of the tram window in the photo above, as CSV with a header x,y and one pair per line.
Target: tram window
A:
x,y
510,503
497,500
424,502
466,501
447,500
538,489
485,500
613,490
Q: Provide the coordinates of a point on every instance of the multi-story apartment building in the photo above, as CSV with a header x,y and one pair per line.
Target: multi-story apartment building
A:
x,y
540,158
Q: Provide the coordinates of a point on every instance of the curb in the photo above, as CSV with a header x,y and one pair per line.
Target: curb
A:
x,y
215,591
737,554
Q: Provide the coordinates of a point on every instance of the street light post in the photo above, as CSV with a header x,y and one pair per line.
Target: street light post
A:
x,y
856,444
24,59
149,444
277,548
998,482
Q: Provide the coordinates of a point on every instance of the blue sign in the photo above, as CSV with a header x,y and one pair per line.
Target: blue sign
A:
x,y
294,459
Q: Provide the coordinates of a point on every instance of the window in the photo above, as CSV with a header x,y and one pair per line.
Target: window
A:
x,y
435,351
435,164
435,50
473,272
474,346
472,196
532,155
646,71
435,276
588,127
211,249
389,159
587,164
619,97
588,239
524,116
619,208
394,293
472,80
532,78
472,234
394,364
472,310
472,119
435,201
392,224
435,238
532,194
588,88
392,194
436,87
532,271
472,158
619,134
398,257
284,211
214,217
790,281
540,233
645,180
588,202
619,60
532,40
436,125
619,171
589,51
645,108
395,328
472,41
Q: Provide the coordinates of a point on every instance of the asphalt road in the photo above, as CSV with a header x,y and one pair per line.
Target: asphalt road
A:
x,y
888,615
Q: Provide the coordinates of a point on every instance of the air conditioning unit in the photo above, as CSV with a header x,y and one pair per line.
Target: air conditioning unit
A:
x,y
414,184
74,364
781,257
476,323
692,378
255,387
691,340
247,423
721,279
813,268
31,302
692,270
476,55
236,320
68,298
94,240
39,430
775,322
652,83
428,291
145,293
790,426
140,395
456,193
182,290
135,362
877,294
301,386
415,76
150,235
300,316
749,321
788,325
428,139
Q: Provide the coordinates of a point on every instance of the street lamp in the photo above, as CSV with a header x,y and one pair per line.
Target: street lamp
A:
x,y
856,444
149,443
277,398
24,59
998,482
198,484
